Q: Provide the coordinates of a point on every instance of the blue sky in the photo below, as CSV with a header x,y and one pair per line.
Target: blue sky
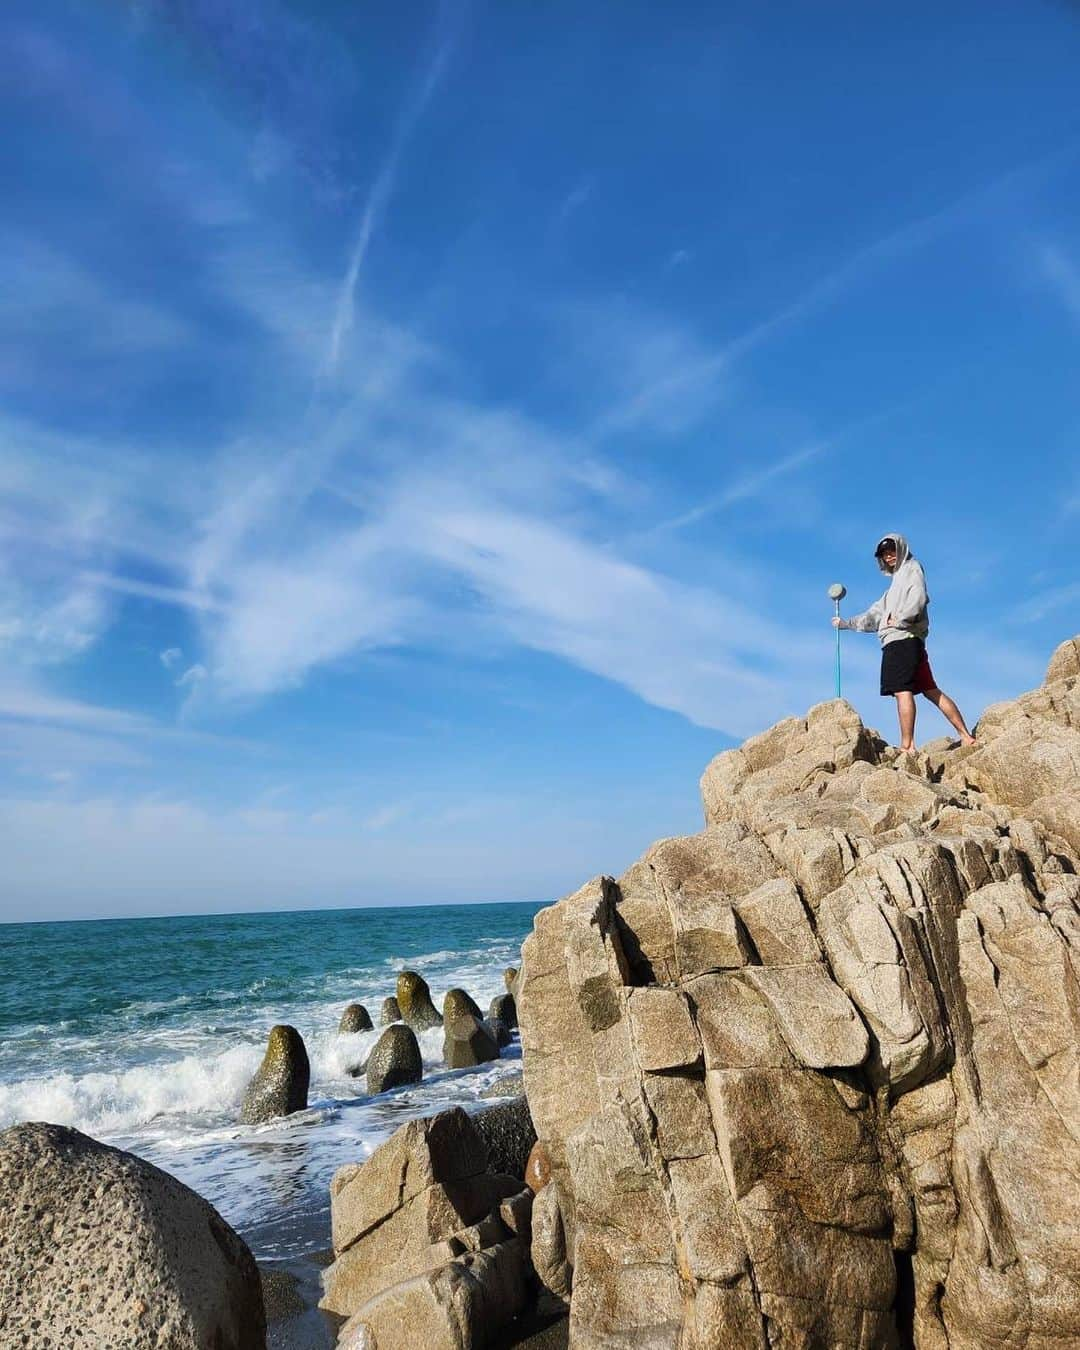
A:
x,y
427,432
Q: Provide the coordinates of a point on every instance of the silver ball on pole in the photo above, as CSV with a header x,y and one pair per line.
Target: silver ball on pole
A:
x,y
836,594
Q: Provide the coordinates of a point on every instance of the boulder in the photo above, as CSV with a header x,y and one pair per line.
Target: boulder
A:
x,y
100,1248
461,999
389,1012
508,1135
549,1249
414,1002
510,979
467,1302
395,1061
468,1041
503,1009
280,1084
499,1032
424,1198
355,1018
810,1076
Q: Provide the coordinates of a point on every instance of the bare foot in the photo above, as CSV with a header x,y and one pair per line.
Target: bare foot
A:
x,y
968,740
904,749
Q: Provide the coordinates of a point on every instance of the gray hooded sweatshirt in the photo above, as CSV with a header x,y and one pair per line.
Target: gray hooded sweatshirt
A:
x,y
901,611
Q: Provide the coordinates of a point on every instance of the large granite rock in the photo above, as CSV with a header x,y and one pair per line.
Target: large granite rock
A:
x,y
809,1077
98,1248
280,1084
428,1240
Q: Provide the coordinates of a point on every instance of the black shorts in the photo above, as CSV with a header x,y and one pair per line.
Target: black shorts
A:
x,y
905,667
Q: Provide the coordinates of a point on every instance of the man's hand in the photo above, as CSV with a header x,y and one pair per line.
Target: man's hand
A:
x,y
837,622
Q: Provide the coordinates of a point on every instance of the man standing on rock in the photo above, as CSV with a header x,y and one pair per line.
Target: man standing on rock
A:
x,y
900,620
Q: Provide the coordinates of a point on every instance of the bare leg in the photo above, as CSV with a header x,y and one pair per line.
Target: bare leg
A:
x,y
952,713
905,710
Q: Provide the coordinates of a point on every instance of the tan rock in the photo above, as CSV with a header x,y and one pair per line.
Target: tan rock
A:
x,y
878,955
550,1250
815,1016
664,1033
681,1111
401,1246
778,925
441,1148
463,1305
99,1248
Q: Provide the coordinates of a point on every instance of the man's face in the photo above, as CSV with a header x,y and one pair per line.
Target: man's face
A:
x,y
888,557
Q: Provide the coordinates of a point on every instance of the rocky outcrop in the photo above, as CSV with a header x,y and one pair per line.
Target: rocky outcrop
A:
x,y
355,1018
414,1002
100,1248
280,1084
468,1040
809,1077
395,1061
431,1248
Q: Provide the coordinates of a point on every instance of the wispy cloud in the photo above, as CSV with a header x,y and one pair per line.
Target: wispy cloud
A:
x,y
1054,598
434,64
183,596
1064,276
574,200
697,378
759,480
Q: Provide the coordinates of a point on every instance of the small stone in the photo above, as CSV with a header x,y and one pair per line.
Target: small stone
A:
x,y
538,1168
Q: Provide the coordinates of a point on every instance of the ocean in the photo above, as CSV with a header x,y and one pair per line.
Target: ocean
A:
x,y
144,1033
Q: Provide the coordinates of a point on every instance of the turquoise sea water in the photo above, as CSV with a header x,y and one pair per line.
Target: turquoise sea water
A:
x,y
143,1033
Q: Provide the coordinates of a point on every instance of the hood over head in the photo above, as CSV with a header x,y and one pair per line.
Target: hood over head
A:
x,y
903,553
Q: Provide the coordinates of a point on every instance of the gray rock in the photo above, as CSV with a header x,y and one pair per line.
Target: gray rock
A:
x,y
548,1244
513,1085
280,1085
414,1001
499,1032
355,1018
468,1041
281,1294
99,1248
503,1009
396,1060
508,1135
389,1012
461,998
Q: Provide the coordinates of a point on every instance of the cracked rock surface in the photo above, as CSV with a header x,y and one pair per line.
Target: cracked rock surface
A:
x,y
809,1077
